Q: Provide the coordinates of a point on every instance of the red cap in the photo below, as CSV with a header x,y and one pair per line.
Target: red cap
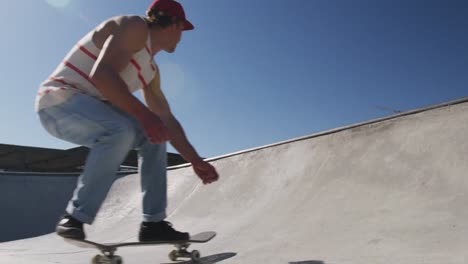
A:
x,y
172,8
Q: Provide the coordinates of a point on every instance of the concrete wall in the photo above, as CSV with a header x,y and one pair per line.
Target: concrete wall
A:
x,y
33,203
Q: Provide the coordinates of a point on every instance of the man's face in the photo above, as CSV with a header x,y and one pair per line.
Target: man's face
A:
x,y
174,35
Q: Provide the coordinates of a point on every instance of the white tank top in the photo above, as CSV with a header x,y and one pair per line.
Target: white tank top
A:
x,y
72,75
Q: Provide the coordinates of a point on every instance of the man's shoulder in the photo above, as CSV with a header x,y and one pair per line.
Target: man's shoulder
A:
x,y
132,21
118,23
134,27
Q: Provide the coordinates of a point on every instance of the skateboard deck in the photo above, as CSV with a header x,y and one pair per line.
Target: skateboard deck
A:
x,y
108,249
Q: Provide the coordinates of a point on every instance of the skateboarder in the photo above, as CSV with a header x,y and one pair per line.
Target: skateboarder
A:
x,y
88,101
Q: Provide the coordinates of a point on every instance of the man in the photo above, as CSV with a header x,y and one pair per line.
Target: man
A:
x,y
88,101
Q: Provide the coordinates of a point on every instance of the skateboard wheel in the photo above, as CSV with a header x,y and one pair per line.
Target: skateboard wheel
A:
x,y
173,255
195,255
97,259
117,260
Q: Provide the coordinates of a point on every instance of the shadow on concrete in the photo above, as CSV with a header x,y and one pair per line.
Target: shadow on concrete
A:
x,y
209,259
308,262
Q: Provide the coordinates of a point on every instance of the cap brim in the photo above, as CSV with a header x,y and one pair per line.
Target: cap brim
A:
x,y
188,25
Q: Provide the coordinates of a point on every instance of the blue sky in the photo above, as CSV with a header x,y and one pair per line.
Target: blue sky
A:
x,y
255,72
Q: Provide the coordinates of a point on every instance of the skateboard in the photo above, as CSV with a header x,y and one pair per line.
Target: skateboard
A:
x,y
108,249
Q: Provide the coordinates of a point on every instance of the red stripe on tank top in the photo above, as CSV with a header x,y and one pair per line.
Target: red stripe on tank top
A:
x,y
62,82
149,52
46,91
138,67
87,52
82,74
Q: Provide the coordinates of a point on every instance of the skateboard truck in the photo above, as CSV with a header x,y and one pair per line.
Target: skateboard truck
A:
x,y
108,257
182,252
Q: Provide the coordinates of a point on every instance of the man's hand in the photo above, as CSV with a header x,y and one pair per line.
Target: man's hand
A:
x,y
205,171
154,128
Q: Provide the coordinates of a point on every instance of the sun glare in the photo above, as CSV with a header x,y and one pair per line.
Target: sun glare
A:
x,y
58,3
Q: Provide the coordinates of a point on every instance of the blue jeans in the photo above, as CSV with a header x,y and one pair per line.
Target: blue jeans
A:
x,y
110,133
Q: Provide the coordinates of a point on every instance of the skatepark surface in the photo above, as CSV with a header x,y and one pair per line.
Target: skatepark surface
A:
x,y
393,190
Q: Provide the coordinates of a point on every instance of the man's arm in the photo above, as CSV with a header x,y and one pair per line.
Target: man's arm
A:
x,y
128,38
158,104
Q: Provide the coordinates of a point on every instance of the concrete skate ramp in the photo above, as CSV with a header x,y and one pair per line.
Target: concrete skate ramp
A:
x,y
389,191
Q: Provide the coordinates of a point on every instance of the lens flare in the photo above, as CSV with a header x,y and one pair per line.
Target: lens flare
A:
x,y
58,3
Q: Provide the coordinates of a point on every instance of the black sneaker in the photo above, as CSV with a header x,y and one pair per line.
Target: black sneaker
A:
x,y
160,231
69,227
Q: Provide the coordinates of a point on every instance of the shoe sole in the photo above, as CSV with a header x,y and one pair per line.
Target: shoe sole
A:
x,y
71,233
